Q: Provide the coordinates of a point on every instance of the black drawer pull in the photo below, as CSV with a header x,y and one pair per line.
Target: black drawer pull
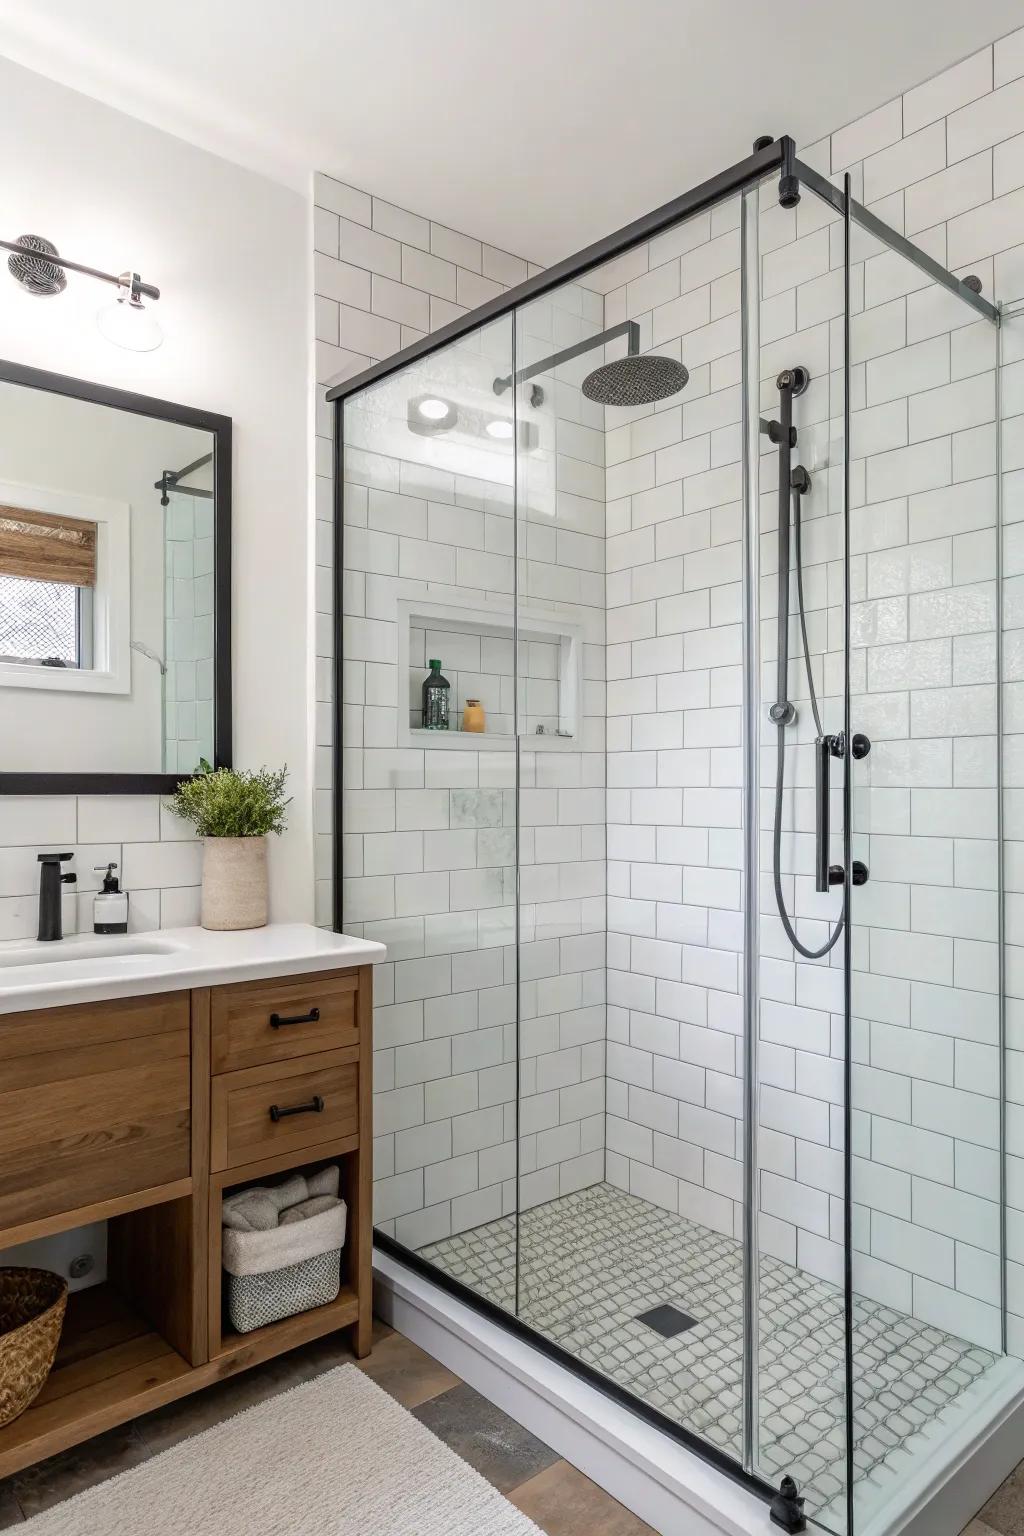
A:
x,y
278,1022
314,1107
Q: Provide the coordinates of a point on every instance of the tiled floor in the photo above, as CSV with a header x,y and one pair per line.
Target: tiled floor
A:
x,y
1003,1515
556,1497
590,1262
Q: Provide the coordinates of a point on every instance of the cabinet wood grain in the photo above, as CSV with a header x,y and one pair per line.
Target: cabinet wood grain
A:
x,y
244,1125
142,1112
94,1104
265,1021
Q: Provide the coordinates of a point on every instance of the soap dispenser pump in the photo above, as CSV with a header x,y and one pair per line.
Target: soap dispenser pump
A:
x,y
110,906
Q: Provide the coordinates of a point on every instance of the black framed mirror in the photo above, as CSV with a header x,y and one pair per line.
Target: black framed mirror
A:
x,y
115,588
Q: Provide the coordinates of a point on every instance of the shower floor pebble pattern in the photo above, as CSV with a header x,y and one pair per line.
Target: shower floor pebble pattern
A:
x,y
590,1262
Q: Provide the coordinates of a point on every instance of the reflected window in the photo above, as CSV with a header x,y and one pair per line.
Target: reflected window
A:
x,y
44,622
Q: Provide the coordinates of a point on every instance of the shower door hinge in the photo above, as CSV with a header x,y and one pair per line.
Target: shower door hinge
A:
x,y
787,1507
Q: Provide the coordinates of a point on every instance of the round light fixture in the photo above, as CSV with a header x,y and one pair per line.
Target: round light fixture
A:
x,y
430,415
433,410
127,322
500,428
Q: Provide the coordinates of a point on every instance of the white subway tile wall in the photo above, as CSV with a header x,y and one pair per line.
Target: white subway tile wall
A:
x,y
674,661
160,864
188,658
943,164
429,834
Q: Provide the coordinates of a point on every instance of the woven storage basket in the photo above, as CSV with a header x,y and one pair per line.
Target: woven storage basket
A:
x,y
256,1300
32,1305
262,1287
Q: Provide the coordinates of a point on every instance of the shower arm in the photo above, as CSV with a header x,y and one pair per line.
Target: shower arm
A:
x,y
627,328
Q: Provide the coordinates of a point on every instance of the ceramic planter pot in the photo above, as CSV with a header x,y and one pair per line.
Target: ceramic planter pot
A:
x,y
234,882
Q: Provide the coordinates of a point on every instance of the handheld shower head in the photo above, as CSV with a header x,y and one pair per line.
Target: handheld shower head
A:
x,y
635,380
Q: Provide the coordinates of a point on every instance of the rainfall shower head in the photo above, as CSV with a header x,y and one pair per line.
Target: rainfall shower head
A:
x,y
629,380
635,380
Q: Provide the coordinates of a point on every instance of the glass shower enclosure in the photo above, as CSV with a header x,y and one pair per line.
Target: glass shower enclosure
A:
x,y
691,1049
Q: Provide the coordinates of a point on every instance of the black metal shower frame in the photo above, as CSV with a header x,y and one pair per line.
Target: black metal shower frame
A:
x,y
778,156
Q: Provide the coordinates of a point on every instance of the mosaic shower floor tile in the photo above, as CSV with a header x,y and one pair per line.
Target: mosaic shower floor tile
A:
x,y
591,1263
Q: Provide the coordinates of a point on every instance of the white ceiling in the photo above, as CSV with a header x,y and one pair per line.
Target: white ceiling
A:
x,y
538,125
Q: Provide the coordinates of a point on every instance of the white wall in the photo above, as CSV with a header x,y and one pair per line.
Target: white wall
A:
x,y
230,251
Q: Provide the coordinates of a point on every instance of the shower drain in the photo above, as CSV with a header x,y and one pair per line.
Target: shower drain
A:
x,y
667,1320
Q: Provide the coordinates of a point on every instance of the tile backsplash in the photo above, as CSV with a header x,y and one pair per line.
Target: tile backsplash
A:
x,y
159,862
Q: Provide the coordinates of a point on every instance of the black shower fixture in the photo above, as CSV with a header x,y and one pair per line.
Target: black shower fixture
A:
x,y
636,379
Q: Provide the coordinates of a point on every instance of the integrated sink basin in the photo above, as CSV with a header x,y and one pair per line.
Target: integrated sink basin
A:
x,y
86,967
102,947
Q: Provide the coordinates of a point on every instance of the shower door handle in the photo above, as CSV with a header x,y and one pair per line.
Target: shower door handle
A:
x,y
826,875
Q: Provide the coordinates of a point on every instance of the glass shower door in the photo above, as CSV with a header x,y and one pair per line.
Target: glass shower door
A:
x,y
796,281
429,813
927,1086
631,546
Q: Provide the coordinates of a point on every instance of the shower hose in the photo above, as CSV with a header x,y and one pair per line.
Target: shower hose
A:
x,y
780,760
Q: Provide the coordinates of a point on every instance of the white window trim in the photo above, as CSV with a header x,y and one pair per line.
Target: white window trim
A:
x,y
111,671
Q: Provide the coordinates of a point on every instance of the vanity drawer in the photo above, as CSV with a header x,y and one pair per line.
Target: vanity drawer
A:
x,y
268,1021
283,1107
94,1103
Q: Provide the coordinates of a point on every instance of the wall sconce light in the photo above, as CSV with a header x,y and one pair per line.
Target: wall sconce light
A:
x,y
37,265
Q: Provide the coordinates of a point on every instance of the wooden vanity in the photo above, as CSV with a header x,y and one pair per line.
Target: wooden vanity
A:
x,y
143,1111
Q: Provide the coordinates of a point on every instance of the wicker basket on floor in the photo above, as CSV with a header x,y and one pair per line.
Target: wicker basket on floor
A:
x,y
32,1306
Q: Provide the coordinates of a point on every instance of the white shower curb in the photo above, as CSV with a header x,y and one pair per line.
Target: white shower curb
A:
x,y
660,1480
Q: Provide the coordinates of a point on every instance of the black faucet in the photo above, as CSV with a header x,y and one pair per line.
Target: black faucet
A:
x,y
50,882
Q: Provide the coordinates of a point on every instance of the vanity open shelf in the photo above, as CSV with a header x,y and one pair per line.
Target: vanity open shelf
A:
x,y
476,647
143,1111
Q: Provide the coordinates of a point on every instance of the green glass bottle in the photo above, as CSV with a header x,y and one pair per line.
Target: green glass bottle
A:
x,y
436,691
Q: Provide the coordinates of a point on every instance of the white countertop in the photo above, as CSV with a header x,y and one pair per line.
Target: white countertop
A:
x,y
86,968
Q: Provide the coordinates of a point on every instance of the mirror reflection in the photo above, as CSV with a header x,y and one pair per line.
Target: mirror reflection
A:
x,y
107,591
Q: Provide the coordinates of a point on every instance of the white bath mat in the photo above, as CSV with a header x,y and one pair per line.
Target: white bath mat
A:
x,y
333,1457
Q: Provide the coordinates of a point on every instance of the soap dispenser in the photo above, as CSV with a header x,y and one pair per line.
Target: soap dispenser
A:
x,y
110,906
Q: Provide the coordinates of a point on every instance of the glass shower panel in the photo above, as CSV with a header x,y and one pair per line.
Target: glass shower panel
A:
x,y
928,1323
429,814
798,1389
631,1110
560,623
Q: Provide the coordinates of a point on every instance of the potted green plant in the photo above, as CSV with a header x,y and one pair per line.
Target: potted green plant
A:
x,y
233,811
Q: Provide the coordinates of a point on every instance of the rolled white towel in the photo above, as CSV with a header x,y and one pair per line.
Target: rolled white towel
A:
x,y
294,1189
325,1181
250,1210
256,1253
306,1208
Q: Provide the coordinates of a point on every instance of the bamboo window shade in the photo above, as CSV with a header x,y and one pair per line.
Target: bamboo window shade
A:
x,y
42,546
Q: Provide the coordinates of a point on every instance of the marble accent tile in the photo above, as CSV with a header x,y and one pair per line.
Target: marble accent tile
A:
x,y
500,1449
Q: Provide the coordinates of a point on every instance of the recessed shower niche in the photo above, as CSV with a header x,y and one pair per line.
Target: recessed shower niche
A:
x,y
477,650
